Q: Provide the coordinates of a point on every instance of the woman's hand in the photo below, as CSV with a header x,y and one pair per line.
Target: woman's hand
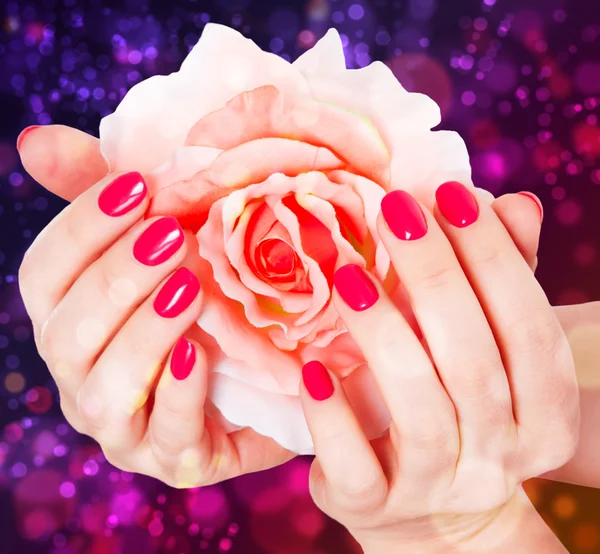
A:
x,y
110,296
487,399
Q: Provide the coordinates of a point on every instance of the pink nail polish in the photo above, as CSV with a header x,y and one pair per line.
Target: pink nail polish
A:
x,y
355,287
183,359
457,204
317,380
158,242
403,215
123,194
177,293
537,201
24,133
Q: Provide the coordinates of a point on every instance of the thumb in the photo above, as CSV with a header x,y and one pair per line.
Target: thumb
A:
x,y
522,215
63,160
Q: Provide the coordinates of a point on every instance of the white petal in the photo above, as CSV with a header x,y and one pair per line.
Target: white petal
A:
x,y
280,416
325,57
155,116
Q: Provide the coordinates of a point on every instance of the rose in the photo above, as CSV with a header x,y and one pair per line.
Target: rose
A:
x,y
281,169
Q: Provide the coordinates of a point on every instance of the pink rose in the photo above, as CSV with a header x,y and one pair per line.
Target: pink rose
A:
x,y
280,168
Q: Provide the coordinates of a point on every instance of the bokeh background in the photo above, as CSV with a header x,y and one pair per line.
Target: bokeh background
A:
x,y
519,79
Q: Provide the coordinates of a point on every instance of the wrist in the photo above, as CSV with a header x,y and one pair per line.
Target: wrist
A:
x,y
516,527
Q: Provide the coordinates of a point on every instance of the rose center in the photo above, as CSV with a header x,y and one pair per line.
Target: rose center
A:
x,y
276,260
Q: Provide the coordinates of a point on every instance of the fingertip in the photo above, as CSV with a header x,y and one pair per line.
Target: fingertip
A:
x,y
186,356
317,381
63,160
521,215
23,134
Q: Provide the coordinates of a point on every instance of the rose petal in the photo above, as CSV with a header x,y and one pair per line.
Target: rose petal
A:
x,y
371,195
156,115
224,320
291,302
184,164
325,57
266,112
280,416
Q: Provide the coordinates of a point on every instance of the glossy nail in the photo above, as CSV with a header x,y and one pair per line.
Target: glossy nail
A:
x,y
123,194
183,359
24,133
177,293
317,381
457,204
158,242
403,215
355,287
536,200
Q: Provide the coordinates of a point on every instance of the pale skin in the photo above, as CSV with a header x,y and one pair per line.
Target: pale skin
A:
x,y
69,164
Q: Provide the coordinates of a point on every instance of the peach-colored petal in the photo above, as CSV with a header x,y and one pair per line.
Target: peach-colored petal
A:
x,y
371,195
266,112
156,115
254,161
291,302
214,234
224,320
184,164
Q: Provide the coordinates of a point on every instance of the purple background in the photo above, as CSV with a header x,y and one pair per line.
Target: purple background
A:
x,y
520,80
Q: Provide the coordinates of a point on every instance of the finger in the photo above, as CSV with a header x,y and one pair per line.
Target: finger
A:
x,y
454,325
105,295
522,215
112,400
176,425
63,160
352,474
535,351
75,238
420,408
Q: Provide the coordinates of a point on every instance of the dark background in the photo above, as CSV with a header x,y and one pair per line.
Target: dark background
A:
x,y
520,80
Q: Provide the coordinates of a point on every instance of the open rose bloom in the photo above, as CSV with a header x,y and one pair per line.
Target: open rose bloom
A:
x,y
280,169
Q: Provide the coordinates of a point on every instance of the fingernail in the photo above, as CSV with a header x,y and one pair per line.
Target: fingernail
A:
x,y
355,287
403,215
457,204
536,200
183,359
317,381
177,293
24,133
158,242
123,194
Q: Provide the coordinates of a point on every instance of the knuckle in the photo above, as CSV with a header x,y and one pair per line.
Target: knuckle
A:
x,y
486,255
51,342
115,460
539,335
359,497
435,439
434,276
25,274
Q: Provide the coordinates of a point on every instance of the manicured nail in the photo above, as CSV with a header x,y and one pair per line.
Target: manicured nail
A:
x,y
403,215
536,200
457,204
177,293
317,380
24,133
123,194
355,287
158,242
183,359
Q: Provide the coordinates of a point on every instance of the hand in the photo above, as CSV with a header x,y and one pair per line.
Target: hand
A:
x,y
110,296
487,400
